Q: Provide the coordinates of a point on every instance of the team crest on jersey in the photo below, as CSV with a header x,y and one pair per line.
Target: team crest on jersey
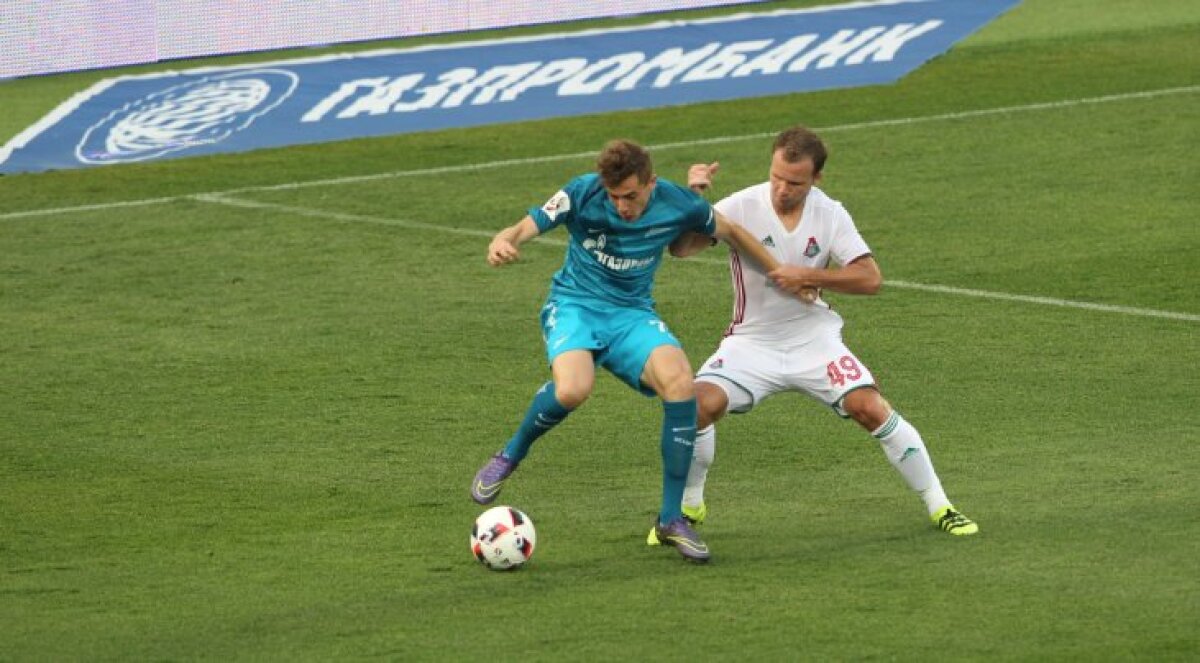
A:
x,y
558,203
812,248
768,241
717,364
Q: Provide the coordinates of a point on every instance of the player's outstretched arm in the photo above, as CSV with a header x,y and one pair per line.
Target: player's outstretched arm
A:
x,y
744,243
506,245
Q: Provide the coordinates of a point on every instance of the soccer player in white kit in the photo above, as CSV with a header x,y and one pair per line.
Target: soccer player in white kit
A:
x,y
783,336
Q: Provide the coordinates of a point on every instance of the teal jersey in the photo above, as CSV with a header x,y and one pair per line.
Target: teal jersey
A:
x,y
609,260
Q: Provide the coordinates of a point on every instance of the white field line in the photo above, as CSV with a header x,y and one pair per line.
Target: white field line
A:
x,y
460,168
223,199
1048,301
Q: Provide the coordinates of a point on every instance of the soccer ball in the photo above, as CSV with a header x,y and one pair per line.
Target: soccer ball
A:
x,y
503,538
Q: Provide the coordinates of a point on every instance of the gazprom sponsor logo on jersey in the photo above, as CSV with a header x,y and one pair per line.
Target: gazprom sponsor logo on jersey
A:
x,y
619,264
205,111
187,115
595,246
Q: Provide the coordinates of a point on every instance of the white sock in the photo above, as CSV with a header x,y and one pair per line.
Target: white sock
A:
x,y
906,451
702,457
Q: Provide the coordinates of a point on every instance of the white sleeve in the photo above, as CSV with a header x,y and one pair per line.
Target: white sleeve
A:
x,y
848,245
727,207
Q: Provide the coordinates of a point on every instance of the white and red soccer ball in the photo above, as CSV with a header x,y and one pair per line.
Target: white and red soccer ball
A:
x,y
503,538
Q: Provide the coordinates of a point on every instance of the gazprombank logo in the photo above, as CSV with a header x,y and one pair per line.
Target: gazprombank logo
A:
x,y
199,112
158,115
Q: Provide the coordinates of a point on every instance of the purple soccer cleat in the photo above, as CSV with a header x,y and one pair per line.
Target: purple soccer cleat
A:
x,y
679,533
490,479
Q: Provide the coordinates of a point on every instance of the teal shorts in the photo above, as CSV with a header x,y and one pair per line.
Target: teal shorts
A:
x,y
620,339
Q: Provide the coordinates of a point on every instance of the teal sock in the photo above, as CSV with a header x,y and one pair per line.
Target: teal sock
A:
x,y
544,413
678,441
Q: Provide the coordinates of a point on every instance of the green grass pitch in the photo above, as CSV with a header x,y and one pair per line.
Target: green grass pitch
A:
x,y
242,425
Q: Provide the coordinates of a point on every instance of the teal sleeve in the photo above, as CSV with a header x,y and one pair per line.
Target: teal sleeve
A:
x,y
558,209
706,218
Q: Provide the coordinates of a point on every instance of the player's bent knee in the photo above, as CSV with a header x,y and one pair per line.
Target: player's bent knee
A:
x,y
669,374
711,403
572,396
867,407
677,386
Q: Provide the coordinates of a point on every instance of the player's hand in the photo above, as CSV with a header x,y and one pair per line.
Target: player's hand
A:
x,y
803,282
700,176
501,252
806,294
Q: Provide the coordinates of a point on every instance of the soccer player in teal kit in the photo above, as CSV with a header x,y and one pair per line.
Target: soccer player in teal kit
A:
x,y
600,312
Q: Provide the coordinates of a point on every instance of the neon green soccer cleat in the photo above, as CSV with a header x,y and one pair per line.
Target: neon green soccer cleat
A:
x,y
694,514
949,520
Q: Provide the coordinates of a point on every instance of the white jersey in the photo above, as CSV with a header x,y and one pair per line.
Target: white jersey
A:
x,y
825,234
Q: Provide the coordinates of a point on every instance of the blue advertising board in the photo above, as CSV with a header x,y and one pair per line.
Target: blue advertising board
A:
x,y
228,109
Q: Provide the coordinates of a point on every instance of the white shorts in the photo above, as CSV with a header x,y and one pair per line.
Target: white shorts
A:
x,y
750,371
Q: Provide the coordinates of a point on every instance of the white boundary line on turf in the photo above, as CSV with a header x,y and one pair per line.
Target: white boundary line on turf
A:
x,y
1048,301
223,199
460,168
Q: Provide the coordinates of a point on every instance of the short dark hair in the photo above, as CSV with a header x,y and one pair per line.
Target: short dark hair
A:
x,y
621,158
800,142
